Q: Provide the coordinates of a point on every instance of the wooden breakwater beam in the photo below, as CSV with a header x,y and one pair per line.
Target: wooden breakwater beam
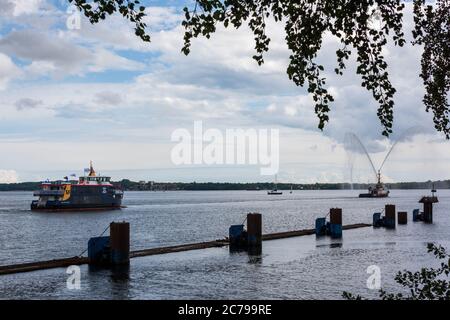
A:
x,y
62,263
42,265
307,232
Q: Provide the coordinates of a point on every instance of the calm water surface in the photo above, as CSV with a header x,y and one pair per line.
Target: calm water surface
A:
x,y
296,268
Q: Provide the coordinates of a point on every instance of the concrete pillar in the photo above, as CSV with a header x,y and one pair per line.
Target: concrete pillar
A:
x,y
402,217
389,213
336,222
120,242
254,229
428,212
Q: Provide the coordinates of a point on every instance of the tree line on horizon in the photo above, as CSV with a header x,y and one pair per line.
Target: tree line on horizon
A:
x,y
129,185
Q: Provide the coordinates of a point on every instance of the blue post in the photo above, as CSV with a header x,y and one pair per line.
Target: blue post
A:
x,y
376,219
99,250
320,226
416,215
235,234
336,230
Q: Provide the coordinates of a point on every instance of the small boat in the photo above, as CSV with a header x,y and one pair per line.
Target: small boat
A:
x,y
433,190
275,190
379,191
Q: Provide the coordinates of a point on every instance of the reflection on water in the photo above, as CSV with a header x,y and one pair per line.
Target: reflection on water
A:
x,y
120,273
255,251
255,258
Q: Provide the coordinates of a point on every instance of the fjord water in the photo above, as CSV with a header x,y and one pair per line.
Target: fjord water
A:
x,y
295,268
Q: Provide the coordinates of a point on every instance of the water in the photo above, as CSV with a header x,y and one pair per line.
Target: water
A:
x,y
295,268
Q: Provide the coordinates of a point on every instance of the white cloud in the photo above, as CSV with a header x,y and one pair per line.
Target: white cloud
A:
x,y
26,103
19,7
104,60
7,7
8,176
219,83
8,71
40,69
25,6
108,98
49,53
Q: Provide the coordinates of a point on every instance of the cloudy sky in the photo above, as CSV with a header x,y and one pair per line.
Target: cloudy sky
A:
x,y
99,93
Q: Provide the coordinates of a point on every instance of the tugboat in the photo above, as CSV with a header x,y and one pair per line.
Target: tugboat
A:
x,y
91,192
378,191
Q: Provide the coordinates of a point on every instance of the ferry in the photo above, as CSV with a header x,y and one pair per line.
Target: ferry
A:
x,y
90,192
379,191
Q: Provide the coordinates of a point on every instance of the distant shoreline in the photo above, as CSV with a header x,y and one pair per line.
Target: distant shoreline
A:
x,y
128,185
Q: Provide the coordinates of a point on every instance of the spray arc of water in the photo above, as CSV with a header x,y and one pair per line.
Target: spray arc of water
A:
x,y
402,136
354,138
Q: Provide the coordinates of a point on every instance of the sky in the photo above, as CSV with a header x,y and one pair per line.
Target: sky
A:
x,y
68,96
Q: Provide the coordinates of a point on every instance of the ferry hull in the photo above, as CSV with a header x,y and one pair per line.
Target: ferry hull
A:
x,y
62,208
